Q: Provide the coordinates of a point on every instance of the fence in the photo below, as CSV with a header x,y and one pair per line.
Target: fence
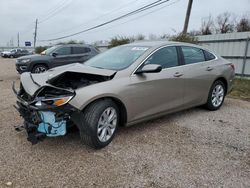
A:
x,y
234,47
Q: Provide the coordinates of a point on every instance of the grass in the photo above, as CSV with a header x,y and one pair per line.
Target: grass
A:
x,y
241,89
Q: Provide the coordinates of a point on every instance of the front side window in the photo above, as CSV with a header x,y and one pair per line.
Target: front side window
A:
x,y
49,50
192,55
63,51
166,57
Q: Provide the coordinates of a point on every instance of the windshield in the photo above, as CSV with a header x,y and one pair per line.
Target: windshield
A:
x,y
49,50
117,58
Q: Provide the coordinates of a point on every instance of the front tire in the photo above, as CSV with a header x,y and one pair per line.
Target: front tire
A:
x,y
39,69
216,96
100,121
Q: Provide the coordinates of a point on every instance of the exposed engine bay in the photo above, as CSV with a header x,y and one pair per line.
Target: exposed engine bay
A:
x,y
77,80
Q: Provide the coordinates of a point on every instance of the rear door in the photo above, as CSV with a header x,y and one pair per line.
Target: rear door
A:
x,y
156,93
80,54
198,75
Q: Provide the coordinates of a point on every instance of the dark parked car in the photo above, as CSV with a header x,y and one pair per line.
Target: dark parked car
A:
x,y
55,56
18,53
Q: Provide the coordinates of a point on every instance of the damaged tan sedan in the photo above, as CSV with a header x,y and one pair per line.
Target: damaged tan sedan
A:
x,y
122,86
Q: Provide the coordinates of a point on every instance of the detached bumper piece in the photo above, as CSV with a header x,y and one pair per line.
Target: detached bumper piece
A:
x,y
42,124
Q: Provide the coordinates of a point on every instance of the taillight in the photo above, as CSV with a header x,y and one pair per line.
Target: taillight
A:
x,y
232,66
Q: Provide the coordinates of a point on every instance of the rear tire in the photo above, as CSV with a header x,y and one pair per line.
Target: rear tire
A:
x,y
39,69
100,122
216,96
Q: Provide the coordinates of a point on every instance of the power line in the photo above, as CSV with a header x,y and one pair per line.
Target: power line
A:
x,y
138,17
50,11
58,10
146,7
97,18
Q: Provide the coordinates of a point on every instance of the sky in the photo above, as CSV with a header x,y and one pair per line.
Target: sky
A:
x,y
57,18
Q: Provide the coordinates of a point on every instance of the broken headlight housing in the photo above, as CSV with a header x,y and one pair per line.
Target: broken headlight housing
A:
x,y
54,102
49,97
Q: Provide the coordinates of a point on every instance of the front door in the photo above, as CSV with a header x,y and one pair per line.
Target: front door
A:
x,y
62,56
155,93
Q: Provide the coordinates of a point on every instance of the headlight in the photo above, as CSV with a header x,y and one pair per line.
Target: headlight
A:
x,y
53,102
25,60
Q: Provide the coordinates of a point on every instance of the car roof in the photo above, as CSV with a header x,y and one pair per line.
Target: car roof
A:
x,y
74,45
159,43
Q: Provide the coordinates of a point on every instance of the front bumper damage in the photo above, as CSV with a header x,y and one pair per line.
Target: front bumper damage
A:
x,y
40,122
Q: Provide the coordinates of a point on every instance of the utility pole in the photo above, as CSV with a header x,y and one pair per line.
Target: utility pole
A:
x,y
35,34
18,39
11,42
185,28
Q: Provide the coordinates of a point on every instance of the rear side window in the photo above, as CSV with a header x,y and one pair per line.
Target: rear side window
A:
x,y
208,55
80,50
192,55
166,57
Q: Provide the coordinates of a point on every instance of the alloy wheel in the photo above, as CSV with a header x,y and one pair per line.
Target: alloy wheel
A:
x,y
107,124
218,95
40,69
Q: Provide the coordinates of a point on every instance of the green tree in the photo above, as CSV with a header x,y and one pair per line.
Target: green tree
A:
x,y
184,38
40,49
119,40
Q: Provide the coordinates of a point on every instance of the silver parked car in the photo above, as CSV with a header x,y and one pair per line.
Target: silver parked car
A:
x,y
122,86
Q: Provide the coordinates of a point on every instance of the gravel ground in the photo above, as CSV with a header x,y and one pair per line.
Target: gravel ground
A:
x,y
192,148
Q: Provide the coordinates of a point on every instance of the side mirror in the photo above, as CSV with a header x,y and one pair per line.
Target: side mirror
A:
x,y
54,54
151,68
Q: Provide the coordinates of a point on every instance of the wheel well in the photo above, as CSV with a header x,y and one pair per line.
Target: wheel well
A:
x,y
224,82
121,106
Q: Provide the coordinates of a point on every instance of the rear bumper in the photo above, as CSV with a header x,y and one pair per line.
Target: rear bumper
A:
x,y
230,83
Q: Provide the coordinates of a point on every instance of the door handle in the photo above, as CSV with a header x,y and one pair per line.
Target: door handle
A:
x,y
209,68
177,74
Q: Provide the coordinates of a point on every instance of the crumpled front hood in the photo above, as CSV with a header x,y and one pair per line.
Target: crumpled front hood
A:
x,y
32,82
79,68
